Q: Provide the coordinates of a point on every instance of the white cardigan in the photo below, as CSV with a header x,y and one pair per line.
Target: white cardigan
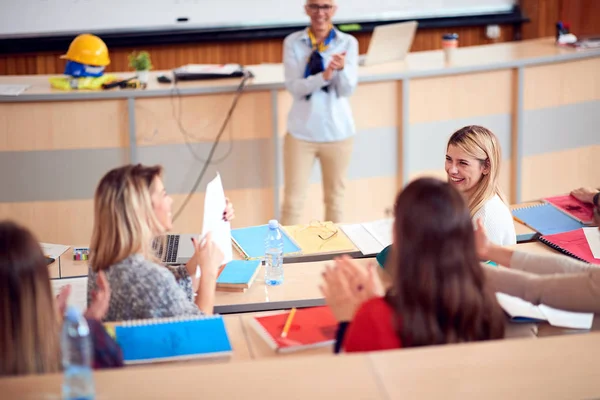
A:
x,y
498,222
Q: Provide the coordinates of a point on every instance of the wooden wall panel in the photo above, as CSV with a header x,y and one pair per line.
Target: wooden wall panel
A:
x,y
582,15
250,52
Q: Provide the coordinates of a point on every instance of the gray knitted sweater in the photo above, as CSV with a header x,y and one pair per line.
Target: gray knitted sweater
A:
x,y
141,289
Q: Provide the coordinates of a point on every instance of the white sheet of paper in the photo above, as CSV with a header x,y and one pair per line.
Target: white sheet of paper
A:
x,y
567,319
53,250
78,296
381,230
516,307
214,205
593,238
362,239
12,90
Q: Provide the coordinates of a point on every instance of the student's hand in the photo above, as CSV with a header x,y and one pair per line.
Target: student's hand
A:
x,y
584,194
482,243
364,282
62,299
209,257
328,73
338,61
340,298
100,299
229,212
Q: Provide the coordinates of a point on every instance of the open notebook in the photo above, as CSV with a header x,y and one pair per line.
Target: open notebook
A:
x,y
169,339
311,328
522,311
370,237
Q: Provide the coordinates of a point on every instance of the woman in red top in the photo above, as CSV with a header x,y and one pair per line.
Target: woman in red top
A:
x,y
439,293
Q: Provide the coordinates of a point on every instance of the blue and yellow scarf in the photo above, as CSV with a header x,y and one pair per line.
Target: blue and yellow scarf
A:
x,y
315,62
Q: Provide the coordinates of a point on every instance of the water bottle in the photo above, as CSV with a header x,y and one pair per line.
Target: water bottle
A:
x,y
274,255
76,347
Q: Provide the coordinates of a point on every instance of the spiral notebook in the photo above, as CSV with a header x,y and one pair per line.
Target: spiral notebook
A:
x,y
170,339
546,219
310,328
573,243
250,242
576,209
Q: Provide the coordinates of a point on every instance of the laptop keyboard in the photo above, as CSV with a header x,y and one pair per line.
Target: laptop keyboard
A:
x,y
172,244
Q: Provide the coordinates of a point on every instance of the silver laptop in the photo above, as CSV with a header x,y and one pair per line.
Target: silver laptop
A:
x,y
175,249
389,43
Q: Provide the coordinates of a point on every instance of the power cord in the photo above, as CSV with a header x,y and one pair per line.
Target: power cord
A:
x,y
207,162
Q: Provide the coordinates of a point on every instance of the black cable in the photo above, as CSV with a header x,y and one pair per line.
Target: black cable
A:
x,y
238,93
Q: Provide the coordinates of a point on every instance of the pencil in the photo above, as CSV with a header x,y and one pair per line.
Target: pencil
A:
x,y
288,323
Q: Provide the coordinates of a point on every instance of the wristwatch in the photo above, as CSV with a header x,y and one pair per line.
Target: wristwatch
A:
x,y
595,200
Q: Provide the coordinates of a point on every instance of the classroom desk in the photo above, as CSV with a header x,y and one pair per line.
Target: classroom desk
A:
x,y
550,368
300,289
529,93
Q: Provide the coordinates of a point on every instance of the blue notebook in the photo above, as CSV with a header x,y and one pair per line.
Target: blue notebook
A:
x,y
251,241
238,274
154,340
546,219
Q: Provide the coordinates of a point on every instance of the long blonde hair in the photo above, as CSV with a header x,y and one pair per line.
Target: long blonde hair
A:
x,y
124,220
29,326
480,143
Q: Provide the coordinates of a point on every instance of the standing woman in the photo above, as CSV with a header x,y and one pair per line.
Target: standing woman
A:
x,y
321,72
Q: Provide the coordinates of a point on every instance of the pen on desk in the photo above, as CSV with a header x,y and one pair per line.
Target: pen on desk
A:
x,y
288,323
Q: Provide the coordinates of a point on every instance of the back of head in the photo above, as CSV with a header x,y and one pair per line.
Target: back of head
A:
x,y
29,330
482,144
439,293
124,220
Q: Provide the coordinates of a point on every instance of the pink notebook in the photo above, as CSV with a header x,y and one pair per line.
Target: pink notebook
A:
x,y
574,208
572,243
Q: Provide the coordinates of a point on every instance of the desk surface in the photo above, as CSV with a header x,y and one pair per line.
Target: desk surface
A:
x,y
559,367
270,76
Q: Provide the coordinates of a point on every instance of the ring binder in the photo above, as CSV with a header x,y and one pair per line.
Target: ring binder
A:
x,y
560,249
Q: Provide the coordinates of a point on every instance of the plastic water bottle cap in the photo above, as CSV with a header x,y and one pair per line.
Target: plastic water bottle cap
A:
x,y
73,313
273,224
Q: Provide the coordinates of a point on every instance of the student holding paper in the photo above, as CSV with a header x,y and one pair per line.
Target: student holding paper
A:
x,y
439,294
321,73
31,317
131,210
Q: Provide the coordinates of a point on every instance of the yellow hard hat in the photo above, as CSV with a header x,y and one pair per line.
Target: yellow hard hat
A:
x,y
88,49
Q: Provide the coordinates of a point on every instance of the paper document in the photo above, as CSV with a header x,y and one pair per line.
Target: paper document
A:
x,y
214,205
593,238
519,309
12,90
78,296
221,69
53,250
362,239
381,230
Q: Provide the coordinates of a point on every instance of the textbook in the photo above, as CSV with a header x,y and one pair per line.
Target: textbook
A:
x,y
546,219
523,311
250,242
577,244
238,275
170,339
310,328
576,209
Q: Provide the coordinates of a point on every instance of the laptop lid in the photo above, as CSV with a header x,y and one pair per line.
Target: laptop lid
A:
x,y
390,43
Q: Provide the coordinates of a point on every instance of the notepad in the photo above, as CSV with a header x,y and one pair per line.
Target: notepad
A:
x,y
546,219
522,311
311,328
250,242
320,238
573,243
78,296
576,209
238,275
170,339
370,237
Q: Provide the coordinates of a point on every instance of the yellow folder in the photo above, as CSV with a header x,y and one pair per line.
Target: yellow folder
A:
x,y
320,237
